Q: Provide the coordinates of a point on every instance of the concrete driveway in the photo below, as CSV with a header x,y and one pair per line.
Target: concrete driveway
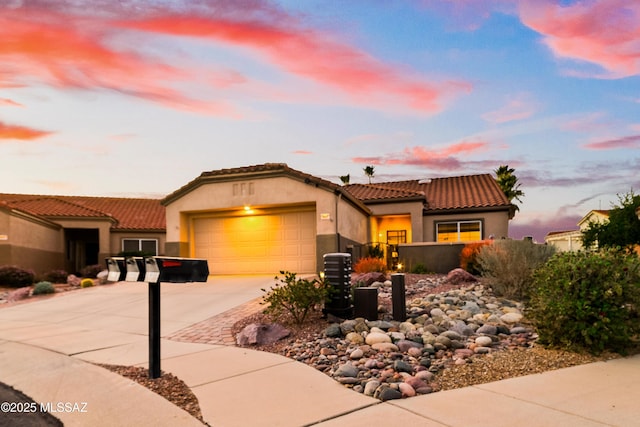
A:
x,y
44,347
85,322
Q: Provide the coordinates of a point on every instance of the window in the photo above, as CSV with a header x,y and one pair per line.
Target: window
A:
x,y
459,231
146,246
395,237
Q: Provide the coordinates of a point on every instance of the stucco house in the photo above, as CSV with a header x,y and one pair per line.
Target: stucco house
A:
x,y
259,219
571,240
270,217
70,232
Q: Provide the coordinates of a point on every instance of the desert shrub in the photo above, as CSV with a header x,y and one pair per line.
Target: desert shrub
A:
x,y
11,275
419,268
55,276
587,301
91,271
43,287
86,283
469,255
295,297
370,265
376,251
508,266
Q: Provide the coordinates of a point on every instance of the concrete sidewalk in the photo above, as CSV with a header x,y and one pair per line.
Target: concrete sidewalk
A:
x,y
46,347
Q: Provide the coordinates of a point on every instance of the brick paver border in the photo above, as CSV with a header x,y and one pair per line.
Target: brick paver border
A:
x,y
217,329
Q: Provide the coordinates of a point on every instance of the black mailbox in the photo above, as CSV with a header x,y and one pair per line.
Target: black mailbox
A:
x,y
181,270
116,269
154,270
151,271
135,269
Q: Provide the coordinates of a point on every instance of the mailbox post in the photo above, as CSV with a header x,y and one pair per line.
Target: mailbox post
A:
x,y
154,270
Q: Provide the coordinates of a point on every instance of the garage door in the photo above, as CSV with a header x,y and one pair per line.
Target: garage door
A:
x,y
260,244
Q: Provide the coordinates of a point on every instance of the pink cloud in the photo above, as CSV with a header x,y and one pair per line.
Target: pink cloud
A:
x,y
61,44
20,132
9,103
67,51
589,123
316,56
627,142
517,107
541,226
439,159
302,152
603,32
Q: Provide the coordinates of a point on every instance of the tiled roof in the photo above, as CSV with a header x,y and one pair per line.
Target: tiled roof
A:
x,y
438,194
261,171
125,213
386,191
558,233
461,192
246,172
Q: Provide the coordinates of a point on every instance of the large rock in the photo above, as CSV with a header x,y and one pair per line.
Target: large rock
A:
x,y
367,279
459,277
377,337
261,334
19,294
73,280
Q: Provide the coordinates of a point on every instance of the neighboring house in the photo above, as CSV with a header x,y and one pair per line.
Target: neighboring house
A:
x,y
266,218
259,219
565,241
70,232
571,240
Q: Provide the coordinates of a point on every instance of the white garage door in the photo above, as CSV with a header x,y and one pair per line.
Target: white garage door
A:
x,y
257,244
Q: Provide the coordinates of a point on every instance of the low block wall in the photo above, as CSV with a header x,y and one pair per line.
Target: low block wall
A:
x,y
436,257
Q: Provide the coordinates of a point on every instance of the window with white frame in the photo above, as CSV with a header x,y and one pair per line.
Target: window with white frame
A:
x,y
146,246
458,231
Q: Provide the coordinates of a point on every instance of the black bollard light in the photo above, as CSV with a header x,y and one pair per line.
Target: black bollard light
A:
x,y
398,297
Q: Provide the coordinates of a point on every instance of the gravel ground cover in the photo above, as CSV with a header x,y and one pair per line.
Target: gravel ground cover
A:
x,y
513,355
507,361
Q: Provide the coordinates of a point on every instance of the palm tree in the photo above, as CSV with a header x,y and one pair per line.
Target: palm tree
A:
x,y
345,179
509,184
369,171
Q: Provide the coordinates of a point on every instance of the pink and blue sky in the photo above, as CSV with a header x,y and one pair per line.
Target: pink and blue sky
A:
x,y
138,97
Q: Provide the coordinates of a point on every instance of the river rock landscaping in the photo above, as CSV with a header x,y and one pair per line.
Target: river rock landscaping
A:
x,y
456,333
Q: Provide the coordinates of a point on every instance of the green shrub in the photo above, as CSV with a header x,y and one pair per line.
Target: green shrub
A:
x,y
587,301
86,283
419,268
508,266
13,276
376,251
296,297
43,287
370,265
91,271
55,276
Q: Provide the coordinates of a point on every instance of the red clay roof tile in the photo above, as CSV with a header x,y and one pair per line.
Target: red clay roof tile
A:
x,y
461,192
126,213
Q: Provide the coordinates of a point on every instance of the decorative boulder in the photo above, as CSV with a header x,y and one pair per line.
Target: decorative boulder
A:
x,y
460,276
19,294
73,280
368,278
261,334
